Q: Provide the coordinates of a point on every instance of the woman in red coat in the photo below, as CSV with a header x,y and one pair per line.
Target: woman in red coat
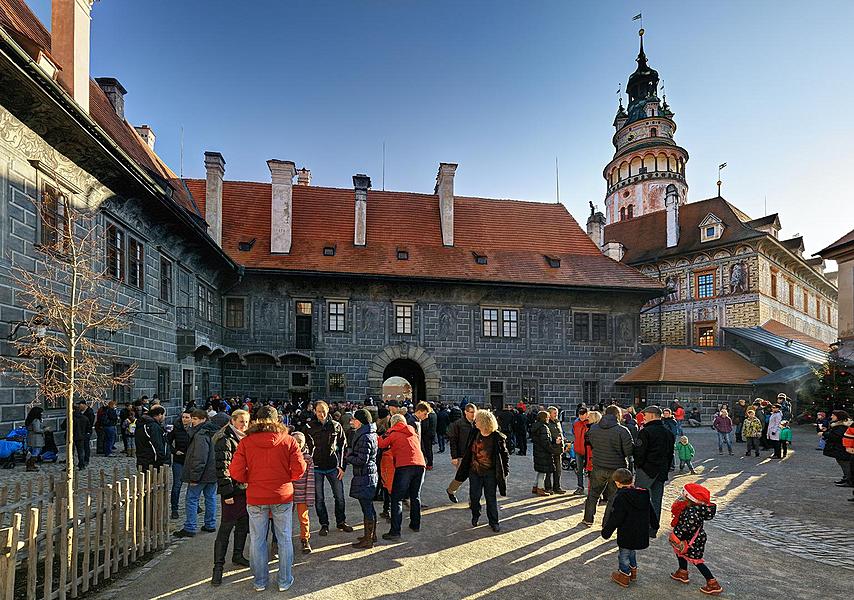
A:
x,y
404,445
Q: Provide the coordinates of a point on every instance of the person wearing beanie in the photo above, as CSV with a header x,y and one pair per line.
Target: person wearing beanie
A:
x,y
688,538
362,455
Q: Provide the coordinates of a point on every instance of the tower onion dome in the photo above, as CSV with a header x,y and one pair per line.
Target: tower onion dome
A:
x,y
642,86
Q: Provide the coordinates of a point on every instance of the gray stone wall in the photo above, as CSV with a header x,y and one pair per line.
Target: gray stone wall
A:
x,y
708,397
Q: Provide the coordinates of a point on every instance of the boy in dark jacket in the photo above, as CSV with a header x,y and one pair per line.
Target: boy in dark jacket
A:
x,y
149,440
632,516
200,473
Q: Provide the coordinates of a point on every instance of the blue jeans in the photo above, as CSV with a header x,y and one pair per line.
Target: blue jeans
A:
x,y
368,511
725,438
320,499
191,505
441,442
109,440
407,484
259,524
486,484
627,559
177,470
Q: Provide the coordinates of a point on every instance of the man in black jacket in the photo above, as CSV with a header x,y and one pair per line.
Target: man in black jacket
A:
x,y
149,439
520,431
233,493
200,473
425,415
653,454
612,446
179,440
329,445
458,435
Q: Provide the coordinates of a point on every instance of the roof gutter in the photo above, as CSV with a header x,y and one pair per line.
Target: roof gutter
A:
x,y
29,68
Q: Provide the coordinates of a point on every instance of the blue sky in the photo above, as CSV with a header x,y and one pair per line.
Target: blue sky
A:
x,y
500,87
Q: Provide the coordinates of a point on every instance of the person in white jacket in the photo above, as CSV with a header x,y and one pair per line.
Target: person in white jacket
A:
x,y
774,429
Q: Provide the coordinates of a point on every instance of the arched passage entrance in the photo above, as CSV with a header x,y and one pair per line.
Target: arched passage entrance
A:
x,y
401,372
409,361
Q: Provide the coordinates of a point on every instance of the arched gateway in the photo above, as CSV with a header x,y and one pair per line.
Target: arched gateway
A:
x,y
413,363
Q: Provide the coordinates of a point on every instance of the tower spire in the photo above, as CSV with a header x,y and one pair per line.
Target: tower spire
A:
x,y
641,59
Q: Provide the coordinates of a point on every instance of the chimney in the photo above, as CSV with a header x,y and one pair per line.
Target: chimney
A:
x,y
304,176
214,169
614,250
70,23
148,137
671,203
361,184
115,93
445,190
596,227
282,173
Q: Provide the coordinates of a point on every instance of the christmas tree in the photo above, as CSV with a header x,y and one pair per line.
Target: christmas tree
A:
x,y
835,385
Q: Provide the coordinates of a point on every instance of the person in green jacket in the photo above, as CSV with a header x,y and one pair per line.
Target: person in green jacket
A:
x,y
685,452
785,437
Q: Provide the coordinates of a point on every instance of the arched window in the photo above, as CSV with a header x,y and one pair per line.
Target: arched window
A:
x,y
631,211
623,213
653,132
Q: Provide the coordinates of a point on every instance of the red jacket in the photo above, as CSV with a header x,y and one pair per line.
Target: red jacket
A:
x,y
579,433
268,460
405,446
679,414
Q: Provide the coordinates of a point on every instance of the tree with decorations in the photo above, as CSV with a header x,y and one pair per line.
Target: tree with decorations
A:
x,y
835,384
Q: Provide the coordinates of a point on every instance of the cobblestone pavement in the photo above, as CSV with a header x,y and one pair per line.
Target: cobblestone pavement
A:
x,y
777,521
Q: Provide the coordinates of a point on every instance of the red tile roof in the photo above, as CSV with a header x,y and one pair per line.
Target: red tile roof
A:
x,y
785,331
645,237
17,18
515,236
684,365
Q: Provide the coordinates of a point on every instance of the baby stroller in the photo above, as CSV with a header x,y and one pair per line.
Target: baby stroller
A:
x,y
14,443
567,459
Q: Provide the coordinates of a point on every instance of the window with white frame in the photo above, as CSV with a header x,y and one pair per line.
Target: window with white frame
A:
x,y
490,322
510,322
403,318
336,312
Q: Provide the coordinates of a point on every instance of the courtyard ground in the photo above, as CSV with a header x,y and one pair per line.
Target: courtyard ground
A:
x,y
782,530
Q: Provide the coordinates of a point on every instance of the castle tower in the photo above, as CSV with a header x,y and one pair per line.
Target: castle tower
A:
x,y
647,160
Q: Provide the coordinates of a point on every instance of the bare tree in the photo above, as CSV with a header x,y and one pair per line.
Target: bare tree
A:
x,y
71,308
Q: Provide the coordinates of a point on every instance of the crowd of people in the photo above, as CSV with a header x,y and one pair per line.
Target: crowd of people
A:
x,y
266,461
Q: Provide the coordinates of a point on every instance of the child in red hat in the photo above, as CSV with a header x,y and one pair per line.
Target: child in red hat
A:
x,y
688,538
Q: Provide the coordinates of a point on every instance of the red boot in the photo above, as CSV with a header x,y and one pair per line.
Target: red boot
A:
x,y
681,575
712,587
621,578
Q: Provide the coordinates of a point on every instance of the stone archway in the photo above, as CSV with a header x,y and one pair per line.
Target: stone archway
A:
x,y
404,352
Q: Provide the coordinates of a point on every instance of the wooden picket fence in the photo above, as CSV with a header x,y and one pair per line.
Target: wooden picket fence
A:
x,y
119,520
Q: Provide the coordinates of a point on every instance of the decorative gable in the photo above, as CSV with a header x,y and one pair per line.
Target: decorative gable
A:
x,y
711,228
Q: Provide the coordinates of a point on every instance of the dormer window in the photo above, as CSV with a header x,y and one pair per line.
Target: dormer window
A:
x,y
402,254
479,258
711,228
553,262
246,246
329,251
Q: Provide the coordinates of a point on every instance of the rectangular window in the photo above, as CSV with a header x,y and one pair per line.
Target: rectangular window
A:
x,y
530,391
599,323
53,382
590,393
818,308
581,326
50,215
791,293
163,391
187,391
115,253
490,322
303,326
121,393
336,313
705,336
704,283
166,280
299,379
136,263
206,303
510,322
806,301
235,313
336,385
773,283
496,395
403,318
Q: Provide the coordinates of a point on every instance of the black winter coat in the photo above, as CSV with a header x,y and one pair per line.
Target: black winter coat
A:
x,y
225,445
833,446
79,426
458,434
200,464
150,443
179,441
632,516
443,420
653,450
611,443
545,448
329,443
500,459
